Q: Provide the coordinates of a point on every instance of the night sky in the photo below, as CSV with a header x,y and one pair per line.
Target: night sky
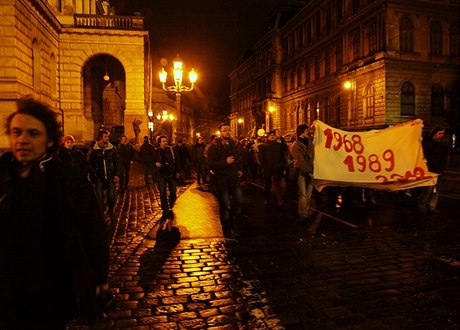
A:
x,y
208,35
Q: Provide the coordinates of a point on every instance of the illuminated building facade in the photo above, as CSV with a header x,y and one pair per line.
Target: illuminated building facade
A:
x,y
400,60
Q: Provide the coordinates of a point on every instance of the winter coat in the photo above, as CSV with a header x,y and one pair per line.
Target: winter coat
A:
x,y
53,245
217,161
272,157
126,153
105,162
303,155
146,153
77,158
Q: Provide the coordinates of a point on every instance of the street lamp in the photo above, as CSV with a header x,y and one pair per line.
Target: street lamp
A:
x,y
240,121
178,88
150,125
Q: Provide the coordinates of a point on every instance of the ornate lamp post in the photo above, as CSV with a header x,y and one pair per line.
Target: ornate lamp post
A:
x,y
178,88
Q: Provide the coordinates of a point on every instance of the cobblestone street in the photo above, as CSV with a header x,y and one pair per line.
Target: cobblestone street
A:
x,y
280,274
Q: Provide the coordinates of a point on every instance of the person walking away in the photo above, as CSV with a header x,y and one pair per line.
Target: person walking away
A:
x,y
126,152
199,161
182,161
68,152
436,153
105,164
223,162
166,165
147,158
244,158
54,253
272,158
302,154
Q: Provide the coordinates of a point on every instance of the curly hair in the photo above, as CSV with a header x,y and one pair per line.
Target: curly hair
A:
x,y
29,106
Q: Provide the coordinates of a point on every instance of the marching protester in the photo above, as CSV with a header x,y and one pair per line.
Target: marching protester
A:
x,y
302,154
223,162
68,152
182,161
105,164
54,252
272,157
436,153
199,161
147,158
165,162
126,153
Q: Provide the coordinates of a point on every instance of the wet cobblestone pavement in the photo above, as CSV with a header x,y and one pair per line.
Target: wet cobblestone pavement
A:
x,y
388,272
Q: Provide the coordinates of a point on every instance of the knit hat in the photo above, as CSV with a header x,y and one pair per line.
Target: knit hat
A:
x,y
67,138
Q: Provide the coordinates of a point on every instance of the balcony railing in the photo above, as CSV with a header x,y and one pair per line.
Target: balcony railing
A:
x,y
109,22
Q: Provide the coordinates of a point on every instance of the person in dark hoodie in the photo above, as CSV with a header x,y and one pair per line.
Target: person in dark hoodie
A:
x,y
54,253
106,167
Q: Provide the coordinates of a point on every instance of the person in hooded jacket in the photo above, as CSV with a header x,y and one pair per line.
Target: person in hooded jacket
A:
x,y
106,167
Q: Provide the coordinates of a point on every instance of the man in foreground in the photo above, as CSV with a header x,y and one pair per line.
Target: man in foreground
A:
x,y
53,248
223,162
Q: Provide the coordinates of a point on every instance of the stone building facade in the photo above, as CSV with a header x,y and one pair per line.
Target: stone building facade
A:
x,y
354,64
78,57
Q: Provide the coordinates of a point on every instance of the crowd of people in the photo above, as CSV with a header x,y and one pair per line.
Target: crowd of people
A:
x,y
53,198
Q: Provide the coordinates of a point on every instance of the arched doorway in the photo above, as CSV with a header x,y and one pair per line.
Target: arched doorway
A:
x,y
104,82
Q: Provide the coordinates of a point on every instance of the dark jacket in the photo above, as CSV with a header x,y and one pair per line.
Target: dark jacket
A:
x,y
126,153
168,160
198,153
436,154
77,158
217,161
54,248
182,153
272,157
147,153
105,162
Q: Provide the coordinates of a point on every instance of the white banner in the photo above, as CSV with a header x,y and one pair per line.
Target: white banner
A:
x,y
387,159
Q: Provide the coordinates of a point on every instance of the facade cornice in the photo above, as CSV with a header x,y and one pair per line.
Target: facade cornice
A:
x,y
46,11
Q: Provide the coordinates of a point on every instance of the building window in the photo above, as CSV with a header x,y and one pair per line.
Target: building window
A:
x,y
372,37
318,27
356,45
437,99
354,6
36,64
292,80
369,106
327,63
299,76
338,56
328,20
407,99
339,11
307,72
317,68
406,38
308,33
455,40
337,111
435,38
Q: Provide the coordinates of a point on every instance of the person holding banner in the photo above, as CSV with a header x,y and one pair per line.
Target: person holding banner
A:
x,y
302,153
436,153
